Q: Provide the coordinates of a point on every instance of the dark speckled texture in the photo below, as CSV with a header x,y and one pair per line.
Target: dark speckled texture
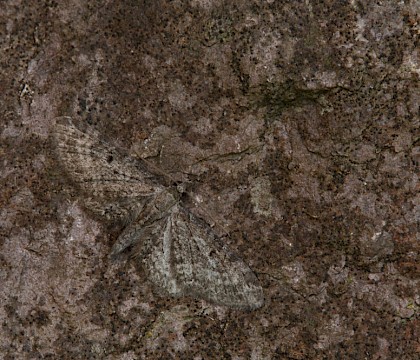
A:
x,y
295,125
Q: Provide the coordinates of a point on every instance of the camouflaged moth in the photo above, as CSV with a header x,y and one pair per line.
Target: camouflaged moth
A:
x,y
180,252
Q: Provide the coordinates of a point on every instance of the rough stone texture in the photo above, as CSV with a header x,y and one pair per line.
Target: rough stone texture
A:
x,y
295,125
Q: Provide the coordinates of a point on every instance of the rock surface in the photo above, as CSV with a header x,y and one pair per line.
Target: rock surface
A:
x,y
295,126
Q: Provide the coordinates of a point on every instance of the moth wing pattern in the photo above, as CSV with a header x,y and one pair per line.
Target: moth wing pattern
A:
x,y
189,259
115,184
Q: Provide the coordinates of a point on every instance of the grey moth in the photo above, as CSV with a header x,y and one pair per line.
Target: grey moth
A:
x,y
180,252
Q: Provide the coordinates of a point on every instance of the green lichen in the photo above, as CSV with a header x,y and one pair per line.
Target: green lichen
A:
x,y
219,29
277,97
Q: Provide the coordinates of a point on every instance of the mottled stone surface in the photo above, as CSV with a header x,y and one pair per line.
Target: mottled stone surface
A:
x,y
295,126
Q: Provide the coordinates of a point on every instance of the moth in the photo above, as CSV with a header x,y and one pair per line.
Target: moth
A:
x,y
180,252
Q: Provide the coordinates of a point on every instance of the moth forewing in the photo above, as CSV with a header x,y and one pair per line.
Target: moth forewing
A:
x,y
112,182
